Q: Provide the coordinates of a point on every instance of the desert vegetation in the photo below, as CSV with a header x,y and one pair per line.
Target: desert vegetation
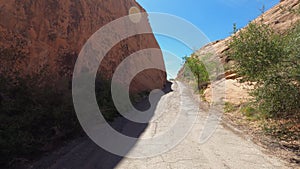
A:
x,y
197,68
271,62
36,115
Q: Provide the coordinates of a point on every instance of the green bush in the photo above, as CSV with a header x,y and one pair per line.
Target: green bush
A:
x,y
104,99
32,117
256,50
34,114
272,61
198,69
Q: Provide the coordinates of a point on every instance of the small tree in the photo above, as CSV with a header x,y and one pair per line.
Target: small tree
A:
x,y
198,69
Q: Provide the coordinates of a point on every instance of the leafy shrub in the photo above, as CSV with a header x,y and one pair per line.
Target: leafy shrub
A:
x,y
104,99
199,71
34,114
256,50
271,60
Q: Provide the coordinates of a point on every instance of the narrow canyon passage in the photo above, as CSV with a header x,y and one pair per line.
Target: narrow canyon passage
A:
x,y
223,150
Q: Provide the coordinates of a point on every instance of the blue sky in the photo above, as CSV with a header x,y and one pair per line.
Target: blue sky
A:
x,y
214,18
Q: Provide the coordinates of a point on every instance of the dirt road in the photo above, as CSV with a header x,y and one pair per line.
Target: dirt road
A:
x,y
224,150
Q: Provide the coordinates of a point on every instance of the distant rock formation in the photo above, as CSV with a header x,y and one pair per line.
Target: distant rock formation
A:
x,y
51,33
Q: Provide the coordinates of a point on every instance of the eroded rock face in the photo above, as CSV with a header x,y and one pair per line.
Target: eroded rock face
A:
x,y
52,33
280,18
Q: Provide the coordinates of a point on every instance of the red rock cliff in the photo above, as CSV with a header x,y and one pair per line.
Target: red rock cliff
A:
x,y
52,33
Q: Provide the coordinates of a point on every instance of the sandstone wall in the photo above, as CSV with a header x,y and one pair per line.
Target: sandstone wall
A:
x,y
280,18
52,32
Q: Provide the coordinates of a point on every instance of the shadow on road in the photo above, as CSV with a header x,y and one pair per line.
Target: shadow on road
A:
x,y
85,154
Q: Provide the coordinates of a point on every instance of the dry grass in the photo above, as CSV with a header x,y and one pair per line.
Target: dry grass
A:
x,y
280,136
